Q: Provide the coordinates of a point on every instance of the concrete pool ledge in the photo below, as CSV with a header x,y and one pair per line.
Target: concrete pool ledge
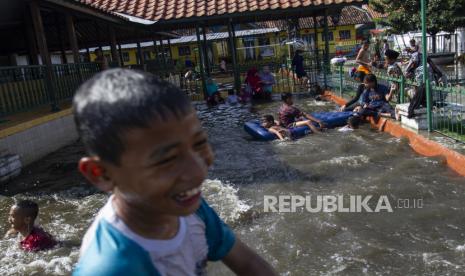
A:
x,y
418,142
34,139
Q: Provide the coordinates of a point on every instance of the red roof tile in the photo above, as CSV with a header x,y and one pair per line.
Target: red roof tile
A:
x,y
158,10
349,16
374,14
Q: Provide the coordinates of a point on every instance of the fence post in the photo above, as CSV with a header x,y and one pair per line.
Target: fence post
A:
x,y
402,89
325,72
425,65
340,80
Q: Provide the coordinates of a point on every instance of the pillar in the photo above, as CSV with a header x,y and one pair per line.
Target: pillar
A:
x,y
202,71
42,44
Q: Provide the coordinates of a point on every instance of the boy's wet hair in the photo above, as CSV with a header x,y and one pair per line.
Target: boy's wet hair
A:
x,y
268,118
117,100
354,121
28,208
286,96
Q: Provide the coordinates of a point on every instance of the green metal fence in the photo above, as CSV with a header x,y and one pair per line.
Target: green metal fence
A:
x,y
448,111
447,108
25,87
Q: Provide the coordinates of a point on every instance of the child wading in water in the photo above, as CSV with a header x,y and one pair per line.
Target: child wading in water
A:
x,y
22,217
152,155
291,116
273,126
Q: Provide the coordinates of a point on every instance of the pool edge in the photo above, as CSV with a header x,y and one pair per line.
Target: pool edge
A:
x,y
419,143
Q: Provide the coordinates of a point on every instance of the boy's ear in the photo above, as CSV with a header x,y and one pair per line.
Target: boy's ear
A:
x,y
92,169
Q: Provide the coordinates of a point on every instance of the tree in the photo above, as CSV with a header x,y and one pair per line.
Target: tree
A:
x,y
404,15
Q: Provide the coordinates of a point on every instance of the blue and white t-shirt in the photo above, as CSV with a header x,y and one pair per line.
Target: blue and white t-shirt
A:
x,y
111,248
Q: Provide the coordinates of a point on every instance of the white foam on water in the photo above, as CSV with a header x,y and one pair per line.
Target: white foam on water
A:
x,y
351,161
224,199
317,103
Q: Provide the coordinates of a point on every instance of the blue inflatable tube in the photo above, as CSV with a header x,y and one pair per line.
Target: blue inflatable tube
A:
x,y
330,119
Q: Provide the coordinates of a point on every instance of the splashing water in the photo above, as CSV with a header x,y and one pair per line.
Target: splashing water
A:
x,y
224,199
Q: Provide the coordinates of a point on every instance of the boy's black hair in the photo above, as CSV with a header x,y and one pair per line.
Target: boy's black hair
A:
x,y
268,118
29,208
366,42
371,78
231,92
286,96
354,121
117,100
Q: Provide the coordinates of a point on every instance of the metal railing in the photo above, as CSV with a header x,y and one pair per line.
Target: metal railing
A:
x,y
447,108
25,87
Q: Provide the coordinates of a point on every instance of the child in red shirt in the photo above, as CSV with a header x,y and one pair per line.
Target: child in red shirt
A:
x,y
22,217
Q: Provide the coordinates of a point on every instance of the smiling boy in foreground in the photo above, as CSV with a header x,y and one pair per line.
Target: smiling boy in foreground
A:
x,y
146,147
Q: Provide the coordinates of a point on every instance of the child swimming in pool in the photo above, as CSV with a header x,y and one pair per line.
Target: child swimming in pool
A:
x,y
352,123
291,116
22,217
273,126
152,155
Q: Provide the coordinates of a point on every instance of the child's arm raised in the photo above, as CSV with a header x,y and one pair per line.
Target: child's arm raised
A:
x,y
243,261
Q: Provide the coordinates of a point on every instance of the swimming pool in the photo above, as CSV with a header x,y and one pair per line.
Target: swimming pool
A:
x,y
428,240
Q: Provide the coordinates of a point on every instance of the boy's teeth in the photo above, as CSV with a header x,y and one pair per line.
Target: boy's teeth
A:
x,y
189,193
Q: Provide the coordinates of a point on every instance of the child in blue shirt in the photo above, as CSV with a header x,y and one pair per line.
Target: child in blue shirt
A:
x,y
145,146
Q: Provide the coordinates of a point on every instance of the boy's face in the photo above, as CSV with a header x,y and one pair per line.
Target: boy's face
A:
x,y
17,219
163,166
369,85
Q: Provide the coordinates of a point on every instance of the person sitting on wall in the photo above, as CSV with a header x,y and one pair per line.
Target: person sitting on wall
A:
x,y
375,99
268,80
412,65
22,217
394,71
253,84
350,105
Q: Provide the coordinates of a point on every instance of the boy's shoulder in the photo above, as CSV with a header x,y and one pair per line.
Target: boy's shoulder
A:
x,y
112,253
107,250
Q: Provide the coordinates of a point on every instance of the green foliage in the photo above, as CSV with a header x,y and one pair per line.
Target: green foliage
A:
x,y
404,15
